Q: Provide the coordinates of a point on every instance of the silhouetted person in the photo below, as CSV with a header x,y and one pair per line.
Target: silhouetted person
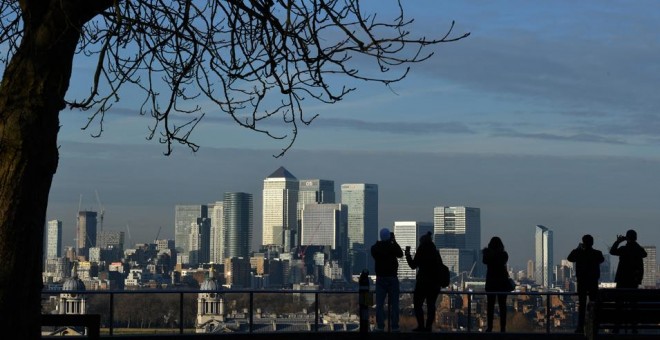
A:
x,y
385,253
497,280
630,271
427,261
587,270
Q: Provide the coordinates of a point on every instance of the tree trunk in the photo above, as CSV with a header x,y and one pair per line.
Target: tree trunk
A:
x,y
31,96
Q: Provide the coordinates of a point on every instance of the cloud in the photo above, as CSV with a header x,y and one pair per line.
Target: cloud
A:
x,y
581,137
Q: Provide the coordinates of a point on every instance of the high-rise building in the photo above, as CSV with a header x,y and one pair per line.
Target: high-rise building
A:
x,y
280,201
54,239
530,269
217,239
407,234
186,216
650,268
459,227
313,191
324,225
361,199
544,264
109,238
85,232
238,224
199,241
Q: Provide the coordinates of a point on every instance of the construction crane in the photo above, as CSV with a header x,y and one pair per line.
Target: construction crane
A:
x,y
101,210
157,234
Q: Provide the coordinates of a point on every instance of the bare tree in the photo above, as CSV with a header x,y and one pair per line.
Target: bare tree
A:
x,y
256,60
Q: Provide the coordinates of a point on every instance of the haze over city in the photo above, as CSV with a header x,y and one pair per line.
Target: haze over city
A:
x,y
547,114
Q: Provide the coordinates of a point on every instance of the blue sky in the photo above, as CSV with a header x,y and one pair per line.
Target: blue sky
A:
x,y
547,114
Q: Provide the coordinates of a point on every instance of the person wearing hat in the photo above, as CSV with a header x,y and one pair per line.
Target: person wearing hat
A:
x,y
587,271
386,253
630,270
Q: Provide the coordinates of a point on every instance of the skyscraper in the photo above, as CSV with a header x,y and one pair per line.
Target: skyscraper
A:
x,y
361,199
54,239
544,254
459,228
324,225
312,191
217,239
199,241
280,202
186,216
85,232
407,233
238,224
650,267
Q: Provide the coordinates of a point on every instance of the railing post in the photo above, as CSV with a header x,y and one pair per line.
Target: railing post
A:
x,y
181,313
547,313
316,311
364,301
112,312
251,314
469,311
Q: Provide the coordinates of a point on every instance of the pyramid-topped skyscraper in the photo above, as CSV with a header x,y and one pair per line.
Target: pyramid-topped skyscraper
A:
x,y
280,199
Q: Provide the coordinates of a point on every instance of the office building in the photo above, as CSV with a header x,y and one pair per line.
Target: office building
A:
x,y
217,239
85,232
361,199
650,268
324,225
313,191
459,227
238,224
280,202
543,250
199,241
108,238
53,239
407,234
186,216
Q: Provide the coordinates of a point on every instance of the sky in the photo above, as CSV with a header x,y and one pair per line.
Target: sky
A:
x,y
546,114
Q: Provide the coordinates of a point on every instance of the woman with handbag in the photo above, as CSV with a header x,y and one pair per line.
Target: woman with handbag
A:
x,y
497,281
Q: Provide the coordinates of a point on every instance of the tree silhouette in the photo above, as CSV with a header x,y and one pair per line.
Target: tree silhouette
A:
x,y
255,60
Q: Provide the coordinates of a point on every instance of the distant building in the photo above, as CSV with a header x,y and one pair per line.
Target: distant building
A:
x,y
185,218
361,199
650,268
85,232
199,241
407,233
108,238
237,224
543,249
210,306
280,201
459,227
217,237
312,191
54,239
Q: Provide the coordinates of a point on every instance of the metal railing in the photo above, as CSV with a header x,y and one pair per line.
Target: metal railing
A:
x,y
110,322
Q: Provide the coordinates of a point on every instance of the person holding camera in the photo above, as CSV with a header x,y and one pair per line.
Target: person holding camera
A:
x,y
497,281
630,270
386,253
426,261
587,270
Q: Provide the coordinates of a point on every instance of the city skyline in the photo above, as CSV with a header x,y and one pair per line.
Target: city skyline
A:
x,y
546,114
